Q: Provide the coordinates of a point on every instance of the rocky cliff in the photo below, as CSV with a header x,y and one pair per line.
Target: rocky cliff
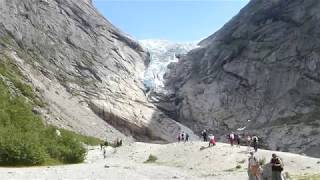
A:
x,y
260,72
86,72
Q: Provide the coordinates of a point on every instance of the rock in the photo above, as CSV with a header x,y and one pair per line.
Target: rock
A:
x,y
263,65
36,111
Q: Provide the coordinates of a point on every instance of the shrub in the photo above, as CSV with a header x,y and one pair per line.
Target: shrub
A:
x,y
151,159
20,149
25,140
262,161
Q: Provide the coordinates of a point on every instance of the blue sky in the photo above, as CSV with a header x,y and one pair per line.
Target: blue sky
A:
x,y
175,20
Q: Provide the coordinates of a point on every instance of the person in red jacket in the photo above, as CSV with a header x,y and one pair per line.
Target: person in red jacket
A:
x,y
212,140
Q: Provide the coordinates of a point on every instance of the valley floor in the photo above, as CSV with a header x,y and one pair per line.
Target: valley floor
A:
x,y
174,161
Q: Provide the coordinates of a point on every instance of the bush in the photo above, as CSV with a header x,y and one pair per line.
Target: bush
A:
x,y
151,159
262,161
20,149
25,140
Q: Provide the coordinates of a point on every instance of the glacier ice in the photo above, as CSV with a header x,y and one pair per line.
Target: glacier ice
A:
x,y
162,53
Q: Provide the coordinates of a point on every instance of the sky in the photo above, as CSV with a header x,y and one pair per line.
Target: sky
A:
x,y
174,20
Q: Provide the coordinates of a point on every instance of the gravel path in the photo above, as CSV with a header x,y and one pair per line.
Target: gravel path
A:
x,y
175,161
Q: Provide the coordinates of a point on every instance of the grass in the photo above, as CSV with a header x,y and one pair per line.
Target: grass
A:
x,y
24,139
151,159
12,73
92,141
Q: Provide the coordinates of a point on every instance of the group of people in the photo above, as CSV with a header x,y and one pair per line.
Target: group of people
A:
x,y
233,138
251,141
117,143
183,136
256,172
208,137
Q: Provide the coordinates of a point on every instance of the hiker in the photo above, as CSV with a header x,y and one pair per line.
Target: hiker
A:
x,y
187,137
253,167
248,142
237,139
204,135
277,167
118,142
255,143
104,153
231,138
179,137
182,136
212,140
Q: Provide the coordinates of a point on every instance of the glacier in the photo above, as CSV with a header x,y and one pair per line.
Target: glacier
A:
x,y
162,53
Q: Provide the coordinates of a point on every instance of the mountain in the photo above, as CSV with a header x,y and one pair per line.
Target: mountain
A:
x,y
259,73
86,72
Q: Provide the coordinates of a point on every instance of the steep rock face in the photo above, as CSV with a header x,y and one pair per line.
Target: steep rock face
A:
x,y
85,69
261,72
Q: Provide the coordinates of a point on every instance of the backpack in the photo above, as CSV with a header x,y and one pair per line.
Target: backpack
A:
x,y
278,160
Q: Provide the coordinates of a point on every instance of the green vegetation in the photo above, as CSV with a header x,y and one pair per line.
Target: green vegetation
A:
x,y
12,73
92,141
151,159
262,161
24,139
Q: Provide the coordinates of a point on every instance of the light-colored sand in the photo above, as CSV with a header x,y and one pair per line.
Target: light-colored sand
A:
x,y
175,161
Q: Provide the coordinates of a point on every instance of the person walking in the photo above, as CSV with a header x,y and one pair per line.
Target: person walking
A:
x,y
187,137
212,140
204,135
182,136
248,138
231,138
255,143
253,167
179,137
277,167
237,139
104,153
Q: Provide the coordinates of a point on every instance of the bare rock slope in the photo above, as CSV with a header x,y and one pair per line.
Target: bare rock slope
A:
x,y
259,72
87,72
